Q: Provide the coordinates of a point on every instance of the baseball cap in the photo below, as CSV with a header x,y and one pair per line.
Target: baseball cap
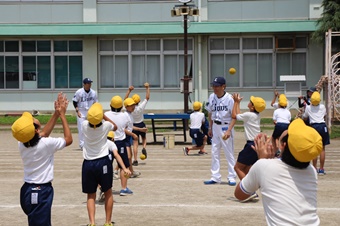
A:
x,y
95,114
111,135
259,103
23,128
87,80
116,102
218,81
197,105
136,98
304,142
315,98
129,102
312,89
283,100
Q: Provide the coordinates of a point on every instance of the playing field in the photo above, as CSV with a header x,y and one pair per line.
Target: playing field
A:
x,y
170,190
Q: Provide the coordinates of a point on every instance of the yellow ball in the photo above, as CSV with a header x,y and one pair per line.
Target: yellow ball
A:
x,y
142,157
232,70
126,175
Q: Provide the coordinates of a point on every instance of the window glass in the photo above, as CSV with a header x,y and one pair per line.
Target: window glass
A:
x,y
75,46
75,71
216,60
138,70
138,45
61,72
265,43
232,60
1,46
249,43
44,46
2,72
265,69
29,70
232,43
170,44
301,42
282,66
121,45
28,46
181,44
12,72
216,43
153,71
60,46
153,45
171,75
121,71
44,72
11,46
250,70
106,45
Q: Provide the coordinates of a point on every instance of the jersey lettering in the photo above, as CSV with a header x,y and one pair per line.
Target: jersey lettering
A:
x,y
219,108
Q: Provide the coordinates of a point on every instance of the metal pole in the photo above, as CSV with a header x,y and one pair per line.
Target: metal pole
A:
x,y
186,77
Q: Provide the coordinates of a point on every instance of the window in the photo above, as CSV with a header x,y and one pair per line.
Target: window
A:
x,y
35,70
135,61
255,59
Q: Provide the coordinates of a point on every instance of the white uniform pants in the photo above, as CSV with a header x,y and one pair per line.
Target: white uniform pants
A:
x,y
217,143
80,131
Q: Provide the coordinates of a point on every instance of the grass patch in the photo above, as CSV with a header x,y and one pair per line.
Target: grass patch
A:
x,y
9,120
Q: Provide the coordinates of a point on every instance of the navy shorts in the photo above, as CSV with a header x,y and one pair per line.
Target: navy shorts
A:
x,y
279,129
122,151
248,155
323,131
36,202
139,133
97,171
128,141
198,136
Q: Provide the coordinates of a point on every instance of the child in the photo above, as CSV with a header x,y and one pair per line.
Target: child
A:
x,y
251,121
122,121
316,113
281,118
139,127
197,119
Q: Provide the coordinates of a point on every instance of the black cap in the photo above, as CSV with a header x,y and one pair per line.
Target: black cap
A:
x,y
218,81
87,81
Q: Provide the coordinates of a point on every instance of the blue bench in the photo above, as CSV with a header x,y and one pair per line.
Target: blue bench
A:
x,y
175,117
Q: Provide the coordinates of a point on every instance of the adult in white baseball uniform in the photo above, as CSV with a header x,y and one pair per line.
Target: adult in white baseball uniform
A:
x,y
82,101
221,129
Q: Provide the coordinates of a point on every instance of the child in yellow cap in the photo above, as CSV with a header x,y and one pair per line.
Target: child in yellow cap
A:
x,y
197,118
251,122
315,113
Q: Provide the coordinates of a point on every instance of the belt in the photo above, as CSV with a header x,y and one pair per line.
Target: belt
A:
x,y
220,123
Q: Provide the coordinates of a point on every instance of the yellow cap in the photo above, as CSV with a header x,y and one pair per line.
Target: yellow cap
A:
x,y
23,129
315,98
197,105
136,98
259,103
95,114
304,142
116,102
111,135
283,100
129,102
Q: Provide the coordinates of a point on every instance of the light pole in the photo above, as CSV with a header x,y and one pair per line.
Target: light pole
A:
x,y
185,10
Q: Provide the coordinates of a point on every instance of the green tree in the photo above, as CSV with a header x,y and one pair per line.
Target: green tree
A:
x,y
330,19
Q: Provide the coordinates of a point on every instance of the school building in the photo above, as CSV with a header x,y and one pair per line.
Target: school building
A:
x,y
48,46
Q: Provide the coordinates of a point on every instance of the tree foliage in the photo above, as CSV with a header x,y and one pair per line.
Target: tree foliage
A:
x,y
330,19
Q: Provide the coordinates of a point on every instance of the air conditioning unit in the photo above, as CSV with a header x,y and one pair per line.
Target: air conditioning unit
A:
x,y
292,84
285,43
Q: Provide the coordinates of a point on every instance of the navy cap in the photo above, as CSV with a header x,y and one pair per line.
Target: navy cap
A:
x,y
218,81
312,89
87,80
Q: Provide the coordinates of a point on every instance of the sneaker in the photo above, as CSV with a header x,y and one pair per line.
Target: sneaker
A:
x,y
135,174
109,224
185,150
321,172
254,196
135,163
144,153
125,192
208,182
202,153
231,183
101,197
90,225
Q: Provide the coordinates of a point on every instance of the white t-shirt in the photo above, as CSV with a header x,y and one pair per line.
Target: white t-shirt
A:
x,y
130,123
196,120
251,122
282,115
122,120
289,195
220,108
38,161
316,114
138,113
95,145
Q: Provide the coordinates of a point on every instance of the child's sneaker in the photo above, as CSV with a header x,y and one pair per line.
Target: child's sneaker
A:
x,y
144,153
185,150
125,192
321,172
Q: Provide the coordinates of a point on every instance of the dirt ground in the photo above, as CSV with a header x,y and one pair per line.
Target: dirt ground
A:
x,y
170,190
